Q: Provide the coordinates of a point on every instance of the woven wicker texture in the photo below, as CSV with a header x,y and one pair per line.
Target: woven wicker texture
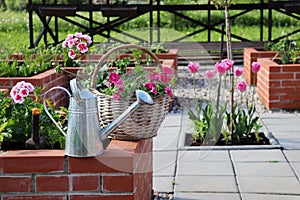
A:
x,y
145,121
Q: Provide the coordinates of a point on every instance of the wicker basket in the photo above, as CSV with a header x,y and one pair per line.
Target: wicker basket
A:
x,y
145,121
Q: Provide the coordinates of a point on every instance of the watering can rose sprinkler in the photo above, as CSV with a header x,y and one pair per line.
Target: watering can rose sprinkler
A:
x,y
84,138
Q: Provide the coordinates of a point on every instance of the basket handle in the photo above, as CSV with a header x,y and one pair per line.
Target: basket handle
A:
x,y
106,56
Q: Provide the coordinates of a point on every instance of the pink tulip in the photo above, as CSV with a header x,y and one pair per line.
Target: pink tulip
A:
x,y
209,74
220,68
242,86
255,67
238,71
229,63
193,67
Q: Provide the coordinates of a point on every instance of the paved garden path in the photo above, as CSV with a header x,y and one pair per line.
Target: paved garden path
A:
x,y
271,173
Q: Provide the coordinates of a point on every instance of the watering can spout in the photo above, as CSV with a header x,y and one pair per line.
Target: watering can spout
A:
x,y
142,98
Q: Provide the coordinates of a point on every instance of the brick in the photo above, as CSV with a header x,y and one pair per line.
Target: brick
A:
x,y
290,83
101,197
281,76
23,161
85,183
15,184
113,160
35,197
52,183
125,183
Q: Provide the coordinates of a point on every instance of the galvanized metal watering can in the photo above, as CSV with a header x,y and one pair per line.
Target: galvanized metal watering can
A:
x,y
84,138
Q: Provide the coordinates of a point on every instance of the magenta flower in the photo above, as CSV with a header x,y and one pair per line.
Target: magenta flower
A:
x,y
165,78
113,78
229,63
78,43
21,90
169,91
255,67
238,71
18,99
154,76
220,68
167,70
193,67
209,74
151,86
242,86
120,86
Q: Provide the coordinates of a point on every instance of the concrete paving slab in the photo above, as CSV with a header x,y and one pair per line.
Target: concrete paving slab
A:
x,y
257,155
269,197
263,169
163,183
164,163
289,141
206,196
172,120
292,155
205,184
203,155
204,168
284,185
166,139
296,168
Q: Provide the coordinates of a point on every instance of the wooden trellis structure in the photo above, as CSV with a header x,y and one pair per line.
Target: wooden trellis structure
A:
x,y
117,14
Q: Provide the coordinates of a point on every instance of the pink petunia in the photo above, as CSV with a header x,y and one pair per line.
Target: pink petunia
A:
x,y
229,63
193,67
220,68
151,86
238,71
167,70
242,86
255,67
72,54
154,76
82,47
169,91
209,74
116,96
165,78
113,78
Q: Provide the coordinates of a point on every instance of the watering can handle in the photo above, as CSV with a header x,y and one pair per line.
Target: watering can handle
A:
x,y
46,110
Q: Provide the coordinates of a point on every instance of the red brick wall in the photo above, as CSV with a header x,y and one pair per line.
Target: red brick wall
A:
x,y
278,86
251,55
123,172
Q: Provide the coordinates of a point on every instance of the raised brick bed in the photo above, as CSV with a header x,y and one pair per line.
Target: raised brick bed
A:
x,y
278,86
251,55
123,172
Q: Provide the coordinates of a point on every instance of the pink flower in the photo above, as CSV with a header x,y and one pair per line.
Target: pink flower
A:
x,y
209,74
116,96
220,68
229,63
72,42
167,70
107,84
151,86
154,76
238,71
169,91
24,92
255,67
82,47
193,67
120,86
72,54
165,78
242,86
88,39
29,86
113,78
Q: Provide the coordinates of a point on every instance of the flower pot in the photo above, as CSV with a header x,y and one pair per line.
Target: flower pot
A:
x,y
251,55
278,86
